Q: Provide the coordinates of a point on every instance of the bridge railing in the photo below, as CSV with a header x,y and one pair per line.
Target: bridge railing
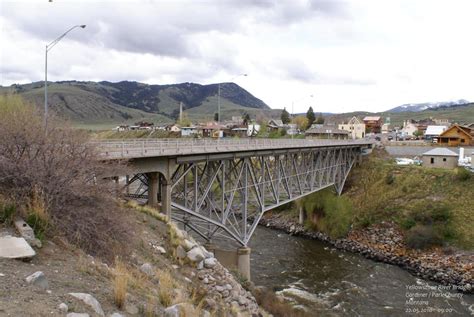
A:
x,y
131,148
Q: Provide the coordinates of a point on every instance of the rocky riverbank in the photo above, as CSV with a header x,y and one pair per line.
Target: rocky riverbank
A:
x,y
384,243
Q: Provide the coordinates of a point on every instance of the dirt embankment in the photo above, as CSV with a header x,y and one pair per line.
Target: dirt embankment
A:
x,y
166,273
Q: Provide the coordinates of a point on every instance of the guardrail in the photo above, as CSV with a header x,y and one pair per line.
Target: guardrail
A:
x,y
134,148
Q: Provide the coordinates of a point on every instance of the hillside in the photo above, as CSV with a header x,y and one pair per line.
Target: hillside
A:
x,y
459,113
415,107
104,104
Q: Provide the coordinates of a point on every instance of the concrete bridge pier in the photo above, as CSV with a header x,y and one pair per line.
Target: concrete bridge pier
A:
x,y
166,197
234,259
153,182
243,262
302,215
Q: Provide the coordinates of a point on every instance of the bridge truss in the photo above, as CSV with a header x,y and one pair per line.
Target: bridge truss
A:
x,y
225,197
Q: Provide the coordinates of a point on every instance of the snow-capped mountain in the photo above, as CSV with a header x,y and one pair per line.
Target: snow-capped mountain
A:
x,y
415,107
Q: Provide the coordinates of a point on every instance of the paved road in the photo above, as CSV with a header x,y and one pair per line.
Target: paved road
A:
x,y
411,151
135,148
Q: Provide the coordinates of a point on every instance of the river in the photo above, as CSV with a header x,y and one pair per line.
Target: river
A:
x,y
329,282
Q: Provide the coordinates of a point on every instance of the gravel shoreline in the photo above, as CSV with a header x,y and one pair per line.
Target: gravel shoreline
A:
x,y
384,243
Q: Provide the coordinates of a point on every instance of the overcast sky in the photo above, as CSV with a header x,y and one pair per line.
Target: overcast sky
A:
x,y
350,55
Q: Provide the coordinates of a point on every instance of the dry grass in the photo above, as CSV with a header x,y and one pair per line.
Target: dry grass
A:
x,y
167,286
120,284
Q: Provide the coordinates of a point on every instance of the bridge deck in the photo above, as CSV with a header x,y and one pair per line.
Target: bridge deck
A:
x,y
137,148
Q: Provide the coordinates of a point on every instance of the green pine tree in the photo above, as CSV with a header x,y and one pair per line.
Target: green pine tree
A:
x,y
285,116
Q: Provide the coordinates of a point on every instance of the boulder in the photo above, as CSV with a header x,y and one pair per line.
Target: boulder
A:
x,y
180,252
38,279
63,307
195,255
15,248
27,232
210,263
117,315
147,268
187,245
89,300
77,315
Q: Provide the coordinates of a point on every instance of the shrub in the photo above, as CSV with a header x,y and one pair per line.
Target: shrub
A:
x,y
423,237
7,212
334,213
120,284
389,179
54,175
462,174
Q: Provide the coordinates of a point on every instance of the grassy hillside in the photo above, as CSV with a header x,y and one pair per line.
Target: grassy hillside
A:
x,y
102,105
413,196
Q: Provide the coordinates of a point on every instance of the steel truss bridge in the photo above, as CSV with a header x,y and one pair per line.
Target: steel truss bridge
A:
x,y
222,188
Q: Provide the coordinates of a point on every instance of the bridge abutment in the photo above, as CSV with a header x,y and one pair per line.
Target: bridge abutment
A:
x,y
243,261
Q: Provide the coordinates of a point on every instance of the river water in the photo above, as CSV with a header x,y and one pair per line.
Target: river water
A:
x,y
329,282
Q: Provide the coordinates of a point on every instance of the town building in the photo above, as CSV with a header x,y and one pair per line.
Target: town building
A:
x,y
457,135
410,127
373,124
190,131
433,132
355,127
327,132
440,158
173,128
275,125
386,128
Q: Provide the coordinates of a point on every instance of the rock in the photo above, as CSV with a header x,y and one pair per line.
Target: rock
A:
x,y
77,315
205,280
89,300
1,274
63,307
27,232
180,252
15,248
38,279
210,263
188,245
174,266
181,309
220,288
195,255
117,315
200,265
160,249
147,268
242,300
172,311
131,309
205,313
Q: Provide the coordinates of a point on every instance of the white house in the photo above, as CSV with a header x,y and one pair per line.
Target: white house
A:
x,y
355,127
189,131
409,127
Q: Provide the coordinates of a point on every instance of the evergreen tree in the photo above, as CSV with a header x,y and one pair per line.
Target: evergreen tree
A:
x,y
246,118
285,116
310,116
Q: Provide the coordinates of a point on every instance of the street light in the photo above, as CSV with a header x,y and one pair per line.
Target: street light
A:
x,y
48,48
292,107
219,97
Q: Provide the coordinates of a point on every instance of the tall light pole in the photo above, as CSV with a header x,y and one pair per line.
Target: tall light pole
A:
x,y
48,48
219,97
292,107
